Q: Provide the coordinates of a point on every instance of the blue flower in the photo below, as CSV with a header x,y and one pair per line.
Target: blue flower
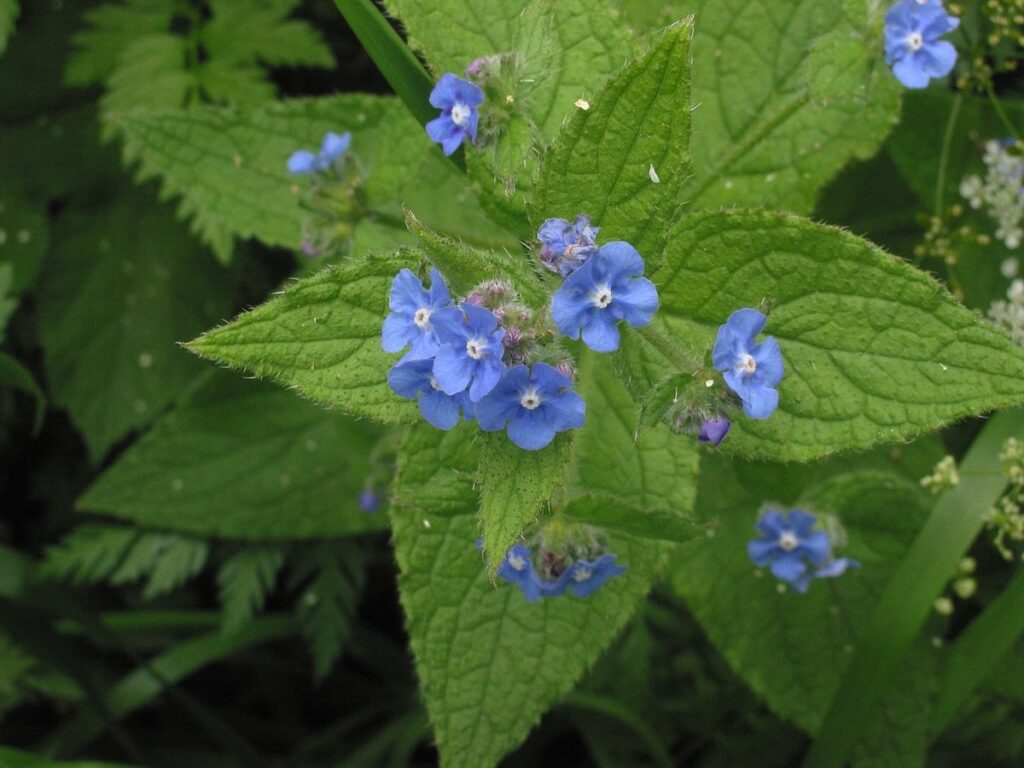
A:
x,y
412,312
584,578
471,349
517,568
533,404
369,501
565,247
714,430
415,380
751,370
606,289
912,45
829,570
789,545
457,99
331,149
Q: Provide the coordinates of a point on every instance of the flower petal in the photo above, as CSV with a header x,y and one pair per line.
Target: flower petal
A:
x,y
453,369
768,357
760,402
910,72
637,302
530,430
411,378
938,59
440,409
334,146
302,162
601,334
789,567
762,551
746,323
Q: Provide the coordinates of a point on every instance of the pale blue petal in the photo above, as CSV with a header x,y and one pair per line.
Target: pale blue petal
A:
x,y
746,324
601,334
788,567
530,430
938,59
485,378
619,260
760,402
567,308
453,369
302,162
397,332
761,551
910,73
637,302
439,409
334,146
768,357
411,378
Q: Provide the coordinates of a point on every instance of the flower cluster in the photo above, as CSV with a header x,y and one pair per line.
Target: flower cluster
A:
x,y
1009,313
795,552
603,285
1001,192
557,574
463,359
1006,518
751,370
913,45
943,477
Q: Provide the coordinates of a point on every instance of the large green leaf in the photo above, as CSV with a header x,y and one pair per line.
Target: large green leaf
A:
x,y
228,167
243,460
8,16
322,336
789,91
122,286
624,160
874,350
791,648
489,663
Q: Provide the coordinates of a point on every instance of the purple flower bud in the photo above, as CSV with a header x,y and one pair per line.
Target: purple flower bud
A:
x,y
476,300
513,336
369,501
714,430
565,367
476,67
308,248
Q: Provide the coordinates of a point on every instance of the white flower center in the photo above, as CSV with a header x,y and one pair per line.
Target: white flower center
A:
x,y
581,573
788,541
517,562
476,348
747,364
602,296
433,383
460,114
530,399
914,41
422,318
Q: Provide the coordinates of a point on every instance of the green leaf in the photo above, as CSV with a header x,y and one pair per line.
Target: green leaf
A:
x,y
874,350
792,649
15,667
244,580
624,160
889,633
514,485
24,233
327,606
210,468
489,663
788,93
112,27
13,758
121,287
16,376
7,303
322,336
228,166
8,16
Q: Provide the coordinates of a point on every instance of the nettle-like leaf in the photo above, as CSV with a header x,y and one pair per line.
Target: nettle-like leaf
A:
x,y
489,663
8,16
793,649
123,284
788,92
228,167
152,53
322,336
875,351
210,468
624,160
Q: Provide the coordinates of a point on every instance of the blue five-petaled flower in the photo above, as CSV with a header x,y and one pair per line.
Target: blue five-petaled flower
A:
x,y
751,370
458,100
532,405
415,380
607,288
333,147
470,353
794,551
517,568
913,47
583,578
412,311
564,246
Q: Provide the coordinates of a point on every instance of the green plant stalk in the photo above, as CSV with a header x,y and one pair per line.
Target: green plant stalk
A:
x,y
405,74
978,650
907,600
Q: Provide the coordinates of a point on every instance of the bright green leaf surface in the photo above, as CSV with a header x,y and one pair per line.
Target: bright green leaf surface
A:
x,y
8,17
489,663
874,350
788,92
624,160
514,485
211,468
792,648
322,336
229,168
122,286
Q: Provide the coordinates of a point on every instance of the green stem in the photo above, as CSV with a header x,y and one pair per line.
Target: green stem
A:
x,y
907,601
947,143
669,350
978,650
997,105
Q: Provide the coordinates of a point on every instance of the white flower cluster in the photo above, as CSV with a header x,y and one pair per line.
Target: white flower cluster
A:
x,y
1001,191
1009,313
